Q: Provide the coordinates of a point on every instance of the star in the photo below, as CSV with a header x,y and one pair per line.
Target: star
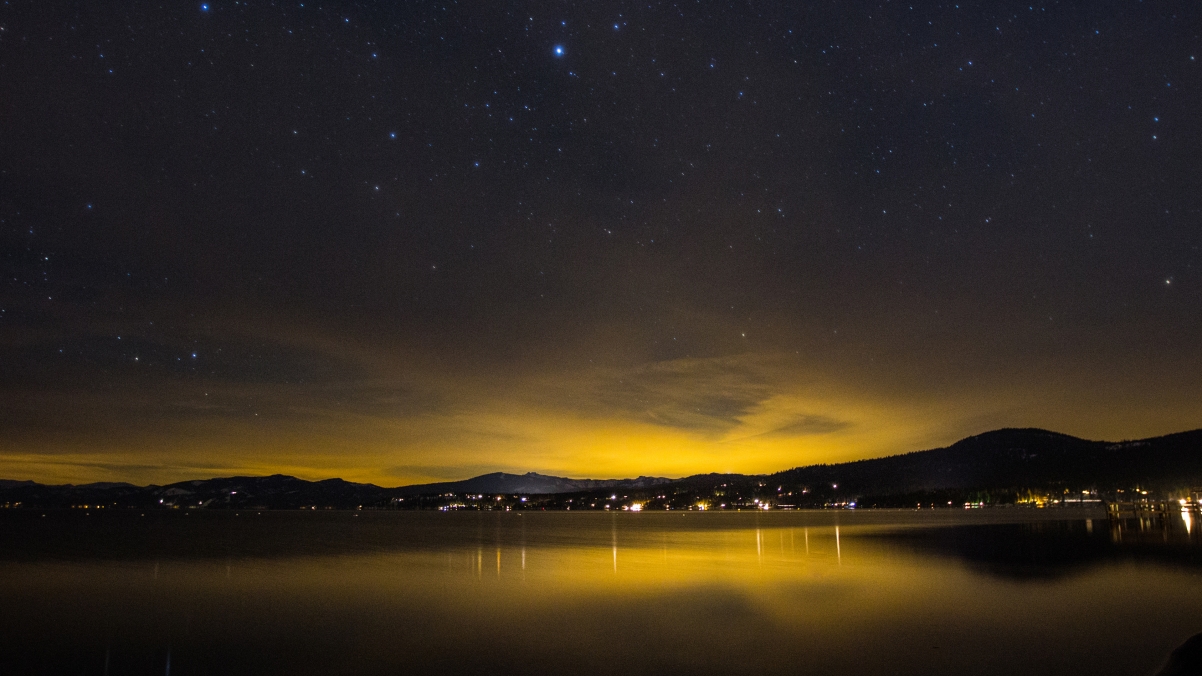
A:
x,y
558,50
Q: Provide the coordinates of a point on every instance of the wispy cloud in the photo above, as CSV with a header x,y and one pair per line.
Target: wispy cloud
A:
x,y
807,425
703,396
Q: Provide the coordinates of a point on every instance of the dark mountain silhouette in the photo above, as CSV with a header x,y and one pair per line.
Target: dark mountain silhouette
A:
x,y
1017,459
286,492
265,492
998,465
995,467
1186,660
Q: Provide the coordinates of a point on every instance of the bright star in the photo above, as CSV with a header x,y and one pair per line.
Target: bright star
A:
x,y
558,50
204,7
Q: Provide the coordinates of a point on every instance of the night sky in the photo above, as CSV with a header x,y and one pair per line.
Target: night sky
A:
x,y
411,241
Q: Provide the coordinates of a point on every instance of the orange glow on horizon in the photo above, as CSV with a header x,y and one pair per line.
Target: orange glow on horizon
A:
x,y
579,425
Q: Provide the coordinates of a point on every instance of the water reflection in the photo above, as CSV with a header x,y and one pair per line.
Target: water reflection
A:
x,y
614,537
703,593
1055,549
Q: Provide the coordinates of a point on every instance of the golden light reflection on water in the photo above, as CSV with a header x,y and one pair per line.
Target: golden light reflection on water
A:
x,y
622,594
678,560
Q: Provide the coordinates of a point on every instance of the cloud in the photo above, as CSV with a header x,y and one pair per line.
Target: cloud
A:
x,y
708,396
808,425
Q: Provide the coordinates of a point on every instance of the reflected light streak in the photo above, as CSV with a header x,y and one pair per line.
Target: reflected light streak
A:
x,y
710,557
614,535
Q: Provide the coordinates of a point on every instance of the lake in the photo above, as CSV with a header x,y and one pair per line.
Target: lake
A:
x,y
993,591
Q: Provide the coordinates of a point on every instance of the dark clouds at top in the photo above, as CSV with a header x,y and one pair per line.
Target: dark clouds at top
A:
x,y
392,210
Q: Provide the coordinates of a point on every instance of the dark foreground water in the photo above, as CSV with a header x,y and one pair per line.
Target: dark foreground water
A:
x,y
982,592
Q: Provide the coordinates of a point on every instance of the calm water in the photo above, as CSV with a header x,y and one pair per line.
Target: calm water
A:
x,y
983,592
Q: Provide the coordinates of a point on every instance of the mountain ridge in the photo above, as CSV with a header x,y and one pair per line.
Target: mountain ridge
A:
x,y
1006,461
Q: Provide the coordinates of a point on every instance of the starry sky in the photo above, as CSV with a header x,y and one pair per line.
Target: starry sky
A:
x,y
413,241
